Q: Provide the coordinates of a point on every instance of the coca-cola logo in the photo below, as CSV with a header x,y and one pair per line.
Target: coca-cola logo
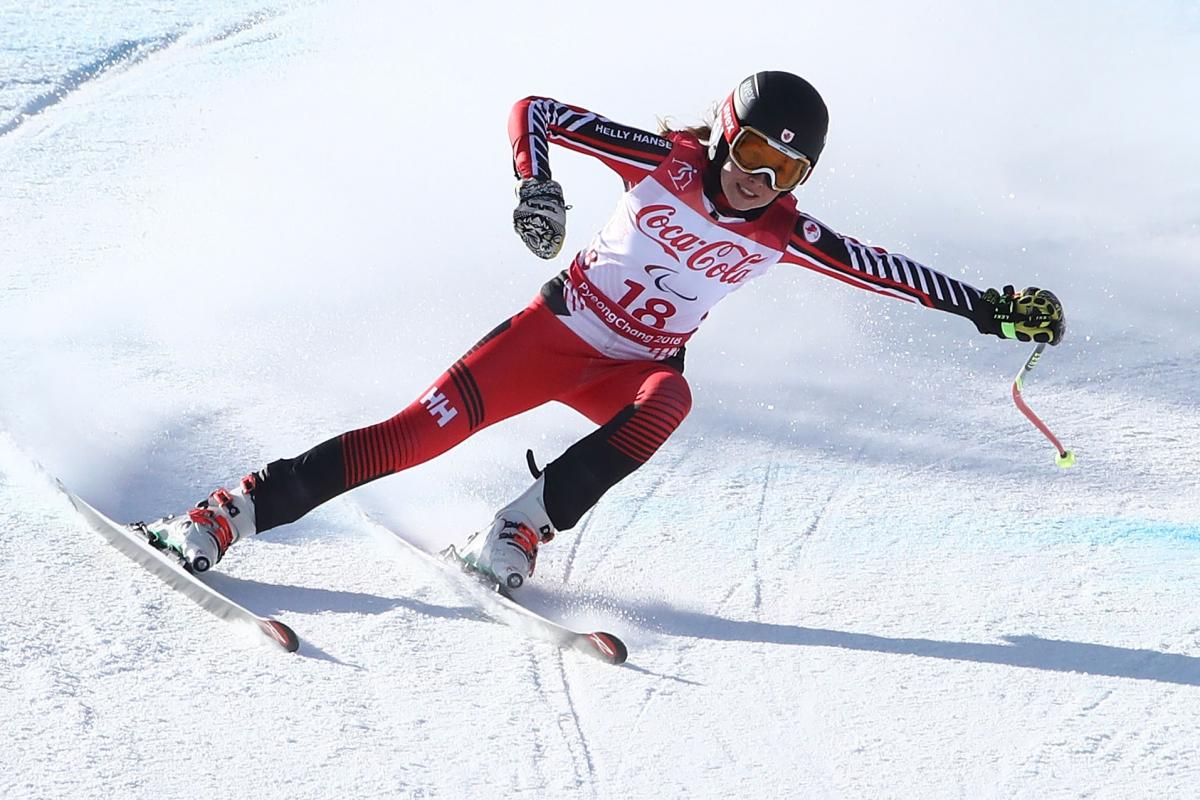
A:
x,y
724,260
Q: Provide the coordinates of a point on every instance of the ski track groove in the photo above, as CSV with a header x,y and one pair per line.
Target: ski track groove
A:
x,y
680,652
584,776
653,692
654,487
578,725
575,540
1054,733
539,745
820,515
762,503
585,772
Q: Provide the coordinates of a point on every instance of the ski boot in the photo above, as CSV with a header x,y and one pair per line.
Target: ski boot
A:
x,y
507,550
202,535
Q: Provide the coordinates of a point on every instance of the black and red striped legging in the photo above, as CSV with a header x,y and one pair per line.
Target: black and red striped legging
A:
x,y
527,361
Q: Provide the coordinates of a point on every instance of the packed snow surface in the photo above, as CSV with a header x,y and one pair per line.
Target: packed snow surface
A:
x,y
855,571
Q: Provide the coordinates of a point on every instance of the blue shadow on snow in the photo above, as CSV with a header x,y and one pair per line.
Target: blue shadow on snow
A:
x,y
274,598
1030,652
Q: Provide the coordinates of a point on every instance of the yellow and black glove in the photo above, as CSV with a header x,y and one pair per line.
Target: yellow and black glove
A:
x,y
1033,315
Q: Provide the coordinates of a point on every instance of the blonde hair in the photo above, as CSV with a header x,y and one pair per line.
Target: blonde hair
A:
x,y
703,131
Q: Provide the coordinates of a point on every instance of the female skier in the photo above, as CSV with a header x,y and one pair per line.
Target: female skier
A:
x,y
705,210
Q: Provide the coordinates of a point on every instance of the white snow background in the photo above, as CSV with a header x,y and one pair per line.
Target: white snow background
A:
x,y
854,572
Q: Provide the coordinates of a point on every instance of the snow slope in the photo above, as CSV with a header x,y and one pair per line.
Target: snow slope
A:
x,y
854,572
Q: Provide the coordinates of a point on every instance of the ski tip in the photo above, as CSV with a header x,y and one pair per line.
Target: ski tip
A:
x,y
281,634
608,647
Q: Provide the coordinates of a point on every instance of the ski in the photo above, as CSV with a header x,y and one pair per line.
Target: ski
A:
x,y
171,571
502,607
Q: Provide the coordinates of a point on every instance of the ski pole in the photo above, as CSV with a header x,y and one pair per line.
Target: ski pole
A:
x,y
1065,458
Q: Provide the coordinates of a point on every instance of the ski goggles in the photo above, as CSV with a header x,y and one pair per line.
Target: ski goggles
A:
x,y
753,151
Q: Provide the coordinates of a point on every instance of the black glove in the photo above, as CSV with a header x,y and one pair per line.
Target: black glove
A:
x,y
540,219
1034,315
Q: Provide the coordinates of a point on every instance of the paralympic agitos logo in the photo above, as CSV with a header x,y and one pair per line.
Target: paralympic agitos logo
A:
x,y
724,260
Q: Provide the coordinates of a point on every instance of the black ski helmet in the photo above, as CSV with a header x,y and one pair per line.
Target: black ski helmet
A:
x,y
783,106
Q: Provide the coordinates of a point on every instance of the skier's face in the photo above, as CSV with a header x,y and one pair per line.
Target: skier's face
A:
x,y
745,191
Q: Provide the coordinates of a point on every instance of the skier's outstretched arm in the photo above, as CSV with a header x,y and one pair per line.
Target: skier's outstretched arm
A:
x,y
540,218
1033,315
535,122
